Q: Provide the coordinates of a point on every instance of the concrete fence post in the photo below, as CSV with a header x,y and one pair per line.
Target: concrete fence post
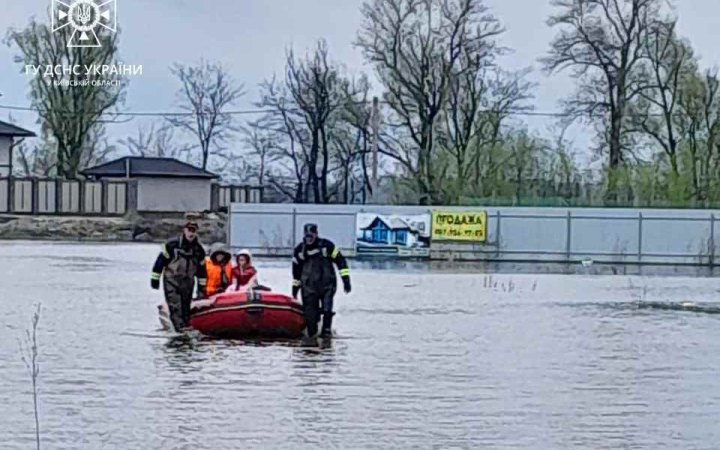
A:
x,y
215,197
11,195
7,182
497,233
58,196
712,240
82,194
294,225
640,236
568,236
104,193
228,227
131,197
34,195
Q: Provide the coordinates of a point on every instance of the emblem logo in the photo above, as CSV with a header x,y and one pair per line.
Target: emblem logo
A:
x,y
85,17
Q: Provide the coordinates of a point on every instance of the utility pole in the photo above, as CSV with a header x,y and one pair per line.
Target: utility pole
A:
x,y
376,138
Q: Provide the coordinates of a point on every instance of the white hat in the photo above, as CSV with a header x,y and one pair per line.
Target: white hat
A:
x,y
244,252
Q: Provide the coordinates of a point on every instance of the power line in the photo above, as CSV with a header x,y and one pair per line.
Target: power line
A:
x,y
137,113
258,111
514,113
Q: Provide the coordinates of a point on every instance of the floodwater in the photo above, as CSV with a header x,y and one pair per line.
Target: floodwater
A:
x,y
423,359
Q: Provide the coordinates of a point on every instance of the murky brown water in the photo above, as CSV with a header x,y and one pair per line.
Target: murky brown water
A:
x,y
430,361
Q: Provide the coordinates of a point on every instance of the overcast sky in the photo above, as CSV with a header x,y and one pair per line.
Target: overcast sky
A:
x,y
250,38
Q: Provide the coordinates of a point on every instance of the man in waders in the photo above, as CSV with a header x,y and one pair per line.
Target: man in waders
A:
x,y
180,262
314,274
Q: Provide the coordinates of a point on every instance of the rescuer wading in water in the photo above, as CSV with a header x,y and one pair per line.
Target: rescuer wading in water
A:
x,y
314,274
179,263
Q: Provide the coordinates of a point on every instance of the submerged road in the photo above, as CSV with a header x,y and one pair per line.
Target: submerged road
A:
x,y
426,359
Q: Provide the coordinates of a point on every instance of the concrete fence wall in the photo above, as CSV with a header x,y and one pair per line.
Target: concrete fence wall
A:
x,y
224,196
55,196
513,234
115,197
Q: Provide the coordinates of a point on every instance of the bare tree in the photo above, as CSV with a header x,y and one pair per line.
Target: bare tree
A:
x,y
481,99
522,164
37,160
97,148
416,47
319,90
207,92
699,103
602,41
290,172
668,64
311,114
262,139
70,114
157,140
563,167
351,133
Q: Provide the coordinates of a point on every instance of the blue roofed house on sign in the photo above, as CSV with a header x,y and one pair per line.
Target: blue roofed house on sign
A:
x,y
393,235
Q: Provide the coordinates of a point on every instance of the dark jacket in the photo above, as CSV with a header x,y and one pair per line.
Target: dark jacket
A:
x,y
170,251
313,269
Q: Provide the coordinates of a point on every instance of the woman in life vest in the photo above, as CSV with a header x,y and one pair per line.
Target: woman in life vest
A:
x,y
218,267
244,274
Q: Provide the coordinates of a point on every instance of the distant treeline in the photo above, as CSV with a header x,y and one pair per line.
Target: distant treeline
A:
x,y
450,124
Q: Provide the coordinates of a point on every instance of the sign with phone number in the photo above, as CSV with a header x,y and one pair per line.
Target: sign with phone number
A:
x,y
459,226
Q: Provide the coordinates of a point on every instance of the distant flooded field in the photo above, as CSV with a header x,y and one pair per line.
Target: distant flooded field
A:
x,y
427,356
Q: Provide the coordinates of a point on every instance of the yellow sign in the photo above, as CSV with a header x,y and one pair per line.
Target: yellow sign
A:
x,y
459,226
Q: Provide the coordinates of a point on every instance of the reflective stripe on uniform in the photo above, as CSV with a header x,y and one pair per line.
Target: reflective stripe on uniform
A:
x,y
295,261
155,276
202,281
296,283
335,253
165,252
344,272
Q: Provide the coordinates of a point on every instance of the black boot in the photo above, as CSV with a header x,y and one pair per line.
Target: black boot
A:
x,y
311,329
327,325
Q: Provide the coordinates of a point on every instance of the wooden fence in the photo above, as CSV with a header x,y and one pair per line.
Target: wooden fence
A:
x,y
94,198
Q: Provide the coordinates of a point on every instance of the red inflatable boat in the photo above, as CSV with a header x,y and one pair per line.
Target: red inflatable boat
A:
x,y
248,314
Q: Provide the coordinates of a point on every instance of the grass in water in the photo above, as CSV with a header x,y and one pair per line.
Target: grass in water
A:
x,y
29,354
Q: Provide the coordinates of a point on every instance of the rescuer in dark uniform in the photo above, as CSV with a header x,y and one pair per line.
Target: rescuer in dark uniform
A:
x,y
313,272
180,262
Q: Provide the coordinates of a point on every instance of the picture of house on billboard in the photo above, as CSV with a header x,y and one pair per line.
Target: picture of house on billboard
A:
x,y
393,235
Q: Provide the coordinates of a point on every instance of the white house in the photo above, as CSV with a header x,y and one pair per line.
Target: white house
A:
x,y
162,184
8,134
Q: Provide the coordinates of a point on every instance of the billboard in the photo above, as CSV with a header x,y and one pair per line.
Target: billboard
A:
x,y
464,226
392,235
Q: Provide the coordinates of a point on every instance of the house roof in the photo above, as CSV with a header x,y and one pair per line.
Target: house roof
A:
x,y
394,224
398,224
147,167
8,129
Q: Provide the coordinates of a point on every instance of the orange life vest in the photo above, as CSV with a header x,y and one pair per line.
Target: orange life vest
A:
x,y
215,277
